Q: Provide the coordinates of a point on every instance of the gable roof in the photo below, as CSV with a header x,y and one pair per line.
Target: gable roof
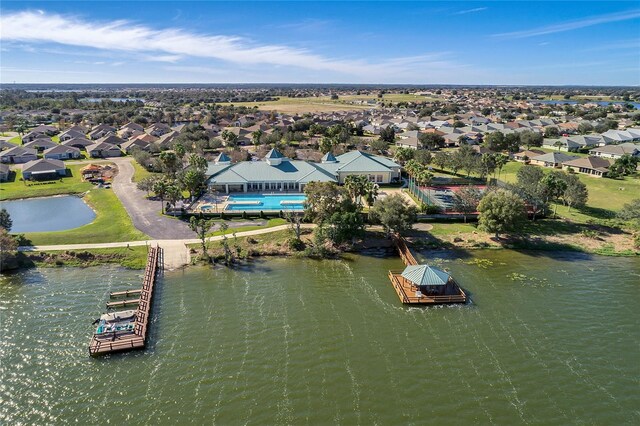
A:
x,y
358,161
596,163
43,165
554,157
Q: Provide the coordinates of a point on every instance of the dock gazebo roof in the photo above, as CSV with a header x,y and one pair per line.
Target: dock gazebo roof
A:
x,y
425,275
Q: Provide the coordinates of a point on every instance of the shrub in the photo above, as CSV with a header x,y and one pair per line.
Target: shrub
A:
x,y
295,244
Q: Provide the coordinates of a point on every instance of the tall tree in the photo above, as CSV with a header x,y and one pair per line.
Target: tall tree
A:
x,y
394,214
500,211
466,200
529,139
160,188
5,220
431,140
576,193
201,226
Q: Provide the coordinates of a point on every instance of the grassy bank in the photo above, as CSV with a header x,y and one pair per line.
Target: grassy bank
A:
x,y
112,224
132,258
546,234
72,184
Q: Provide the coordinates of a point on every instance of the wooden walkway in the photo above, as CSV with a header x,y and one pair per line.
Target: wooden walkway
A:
x,y
136,339
406,290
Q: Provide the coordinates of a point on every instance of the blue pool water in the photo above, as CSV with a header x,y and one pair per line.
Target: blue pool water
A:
x,y
240,202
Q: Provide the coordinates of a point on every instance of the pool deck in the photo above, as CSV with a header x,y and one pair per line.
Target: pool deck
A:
x,y
215,204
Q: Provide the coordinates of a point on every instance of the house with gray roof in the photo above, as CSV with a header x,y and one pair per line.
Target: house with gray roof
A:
x,y
18,154
552,159
5,171
40,144
44,169
103,150
62,152
80,143
275,172
70,134
617,151
593,166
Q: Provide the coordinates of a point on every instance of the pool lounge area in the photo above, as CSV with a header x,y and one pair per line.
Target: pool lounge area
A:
x,y
251,202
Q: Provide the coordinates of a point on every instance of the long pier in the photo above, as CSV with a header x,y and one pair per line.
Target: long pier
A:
x,y
406,290
136,339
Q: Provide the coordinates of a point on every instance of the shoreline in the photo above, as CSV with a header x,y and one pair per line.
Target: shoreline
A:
x,y
129,257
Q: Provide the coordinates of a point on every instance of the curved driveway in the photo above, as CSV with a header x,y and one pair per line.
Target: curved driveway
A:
x,y
145,213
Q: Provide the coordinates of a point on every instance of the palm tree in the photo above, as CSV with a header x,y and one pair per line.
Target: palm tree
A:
x,y
356,185
160,187
255,137
501,160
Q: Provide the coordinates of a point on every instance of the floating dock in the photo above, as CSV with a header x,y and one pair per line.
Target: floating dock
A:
x,y
117,341
408,292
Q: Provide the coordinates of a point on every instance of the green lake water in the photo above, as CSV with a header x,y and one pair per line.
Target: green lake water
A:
x,y
288,341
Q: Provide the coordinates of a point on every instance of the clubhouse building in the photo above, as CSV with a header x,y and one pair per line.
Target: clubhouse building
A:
x,y
278,173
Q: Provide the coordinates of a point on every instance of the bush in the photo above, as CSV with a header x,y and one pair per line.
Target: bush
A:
x,y
295,244
244,215
262,216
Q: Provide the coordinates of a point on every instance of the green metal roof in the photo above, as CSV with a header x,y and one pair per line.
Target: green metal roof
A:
x,y
425,275
274,153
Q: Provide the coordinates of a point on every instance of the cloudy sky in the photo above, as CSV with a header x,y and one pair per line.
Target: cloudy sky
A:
x,y
500,42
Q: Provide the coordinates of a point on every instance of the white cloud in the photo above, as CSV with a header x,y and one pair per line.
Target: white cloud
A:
x,y
474,10
172,44
573,25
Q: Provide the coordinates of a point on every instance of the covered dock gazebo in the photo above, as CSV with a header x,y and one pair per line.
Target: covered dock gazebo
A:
x,y
429,280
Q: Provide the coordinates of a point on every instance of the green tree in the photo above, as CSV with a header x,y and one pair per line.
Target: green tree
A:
x,y
8,246
553,187
531,139
388,134
6,222
394,214
256,136
194,181
160,188
551,132
198,162
324,199
147,184
345,226
466,200
201,226
423,156
494,141
403,154
230,138
431,140
500,211
501,161
631,211
356,186
169,162
576,193
379,145
441,159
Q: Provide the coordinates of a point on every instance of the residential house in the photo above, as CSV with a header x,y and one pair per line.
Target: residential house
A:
x,y
103,150
100,131
62,152
593,166
137,143
6,145
616,151
158,129
44,169
552,159
46,129
525,156
31,136
5,171
41,144
110,138
70,134
80,143
18,154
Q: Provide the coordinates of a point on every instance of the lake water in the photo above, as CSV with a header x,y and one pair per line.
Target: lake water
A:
x,y
48,213
289,341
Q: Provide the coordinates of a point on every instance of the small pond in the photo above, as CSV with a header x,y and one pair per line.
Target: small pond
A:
x,y
48,213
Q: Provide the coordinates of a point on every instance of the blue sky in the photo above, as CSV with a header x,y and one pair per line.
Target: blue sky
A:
x,y
480,42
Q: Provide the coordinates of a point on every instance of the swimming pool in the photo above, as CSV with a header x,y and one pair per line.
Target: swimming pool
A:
x,y
290,202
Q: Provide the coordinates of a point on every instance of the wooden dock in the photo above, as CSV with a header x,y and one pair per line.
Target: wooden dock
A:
x,y
122,303
125,293
136,339
406,290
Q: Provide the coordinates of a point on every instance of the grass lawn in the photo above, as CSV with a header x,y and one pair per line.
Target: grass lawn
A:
x,y
141,173
112,224
604,193
55,138
270,224
16,140
69,185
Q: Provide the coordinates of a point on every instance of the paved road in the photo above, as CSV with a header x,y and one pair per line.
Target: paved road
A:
x,y
145,213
